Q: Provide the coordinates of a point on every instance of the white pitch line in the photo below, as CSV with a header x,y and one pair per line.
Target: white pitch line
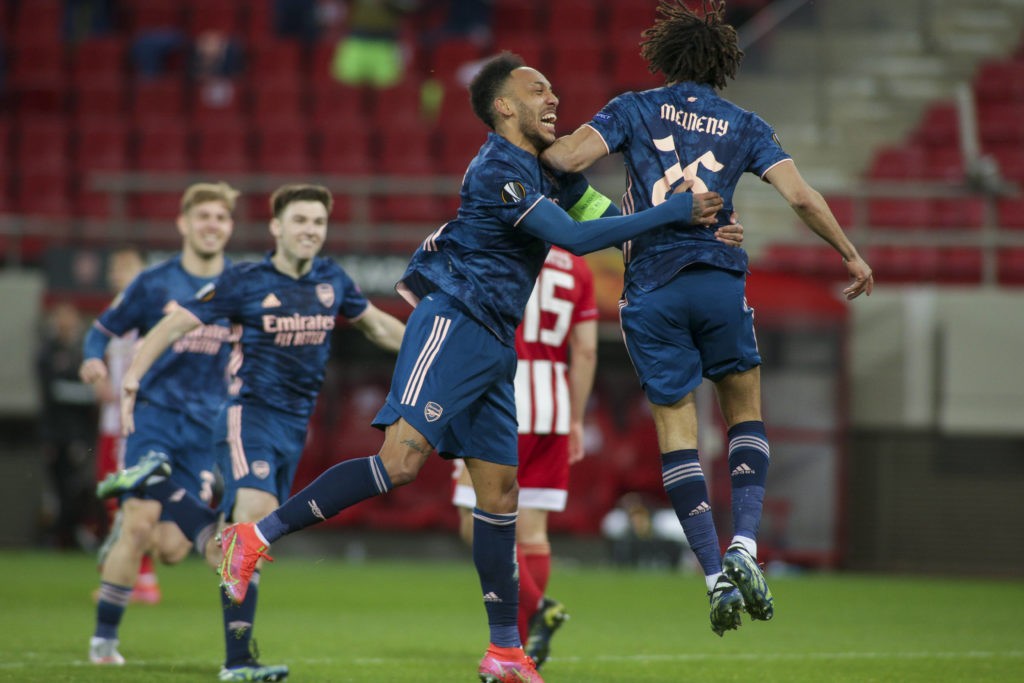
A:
x,y
37,660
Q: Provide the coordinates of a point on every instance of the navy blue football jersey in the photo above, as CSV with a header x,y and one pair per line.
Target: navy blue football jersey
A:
x,y
676,133
285,326
481,259
191,376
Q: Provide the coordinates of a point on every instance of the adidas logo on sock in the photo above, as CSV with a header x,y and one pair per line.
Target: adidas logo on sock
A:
x,y
492,597
700,509
743,468
315,509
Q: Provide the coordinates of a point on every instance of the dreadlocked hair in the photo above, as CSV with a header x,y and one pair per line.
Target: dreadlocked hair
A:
x,y
685,46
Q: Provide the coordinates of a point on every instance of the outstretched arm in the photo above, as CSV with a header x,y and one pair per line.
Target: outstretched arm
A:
x,y
171,327
814,212
547,221
383,329
575,152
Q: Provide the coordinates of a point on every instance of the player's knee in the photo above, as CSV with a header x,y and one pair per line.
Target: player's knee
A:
x,y
173,552
403,467
138,533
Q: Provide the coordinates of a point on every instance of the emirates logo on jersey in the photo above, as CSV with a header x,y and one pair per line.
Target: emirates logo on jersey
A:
x,y
432,411
325,293
512,192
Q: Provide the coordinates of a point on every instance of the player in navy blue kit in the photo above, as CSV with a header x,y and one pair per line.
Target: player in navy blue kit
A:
x,y
186,386
684,313
452,388
285,308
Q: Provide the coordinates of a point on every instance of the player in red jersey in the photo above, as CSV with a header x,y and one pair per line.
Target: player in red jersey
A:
x,y
556,345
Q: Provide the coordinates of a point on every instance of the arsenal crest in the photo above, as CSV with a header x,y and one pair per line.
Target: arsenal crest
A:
x,y
325,293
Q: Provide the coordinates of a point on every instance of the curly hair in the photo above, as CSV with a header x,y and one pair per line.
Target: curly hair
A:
x,y
685,46
490,81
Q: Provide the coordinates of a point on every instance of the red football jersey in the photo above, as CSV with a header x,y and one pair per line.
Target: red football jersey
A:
x,y
562,297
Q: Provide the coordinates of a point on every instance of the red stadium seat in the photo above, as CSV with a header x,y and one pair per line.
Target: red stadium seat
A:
x,y
457,147
408,209
405,152
899,213
575,15
6,148
334,104
157,206
401,105
627,68
579,56
448,56
43,144
1011,161
278,103
944,164
843,210
905,264
158,101
579,99
44,192
38,79
1010,213
144,15
960,265
1000,81
275,60
1011,266
630,17
343,150
162,147
960,213
940,125
100,58
898,163
516,15
221,16
224,150
99,98
528,44
1000,124
808,259
283,151
102,146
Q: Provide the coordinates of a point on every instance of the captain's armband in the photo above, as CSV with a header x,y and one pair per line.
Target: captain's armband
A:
x,y
591,205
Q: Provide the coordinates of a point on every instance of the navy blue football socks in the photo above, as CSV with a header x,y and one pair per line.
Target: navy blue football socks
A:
x,y
238,621
748,467
494,554
340,486
684,483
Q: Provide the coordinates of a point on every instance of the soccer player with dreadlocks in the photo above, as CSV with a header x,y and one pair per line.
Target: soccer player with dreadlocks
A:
x,y
684,312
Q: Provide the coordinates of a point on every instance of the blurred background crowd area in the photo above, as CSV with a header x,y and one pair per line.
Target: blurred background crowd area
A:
x,y
908,116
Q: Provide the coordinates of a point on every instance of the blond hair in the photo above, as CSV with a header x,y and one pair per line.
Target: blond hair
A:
x,y
209,192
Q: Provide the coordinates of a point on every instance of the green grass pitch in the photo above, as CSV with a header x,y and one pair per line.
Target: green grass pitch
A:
x,y
396,622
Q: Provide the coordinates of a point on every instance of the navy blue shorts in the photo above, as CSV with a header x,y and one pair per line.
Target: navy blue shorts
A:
x,y
188,443
258,448
454,382
696,325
